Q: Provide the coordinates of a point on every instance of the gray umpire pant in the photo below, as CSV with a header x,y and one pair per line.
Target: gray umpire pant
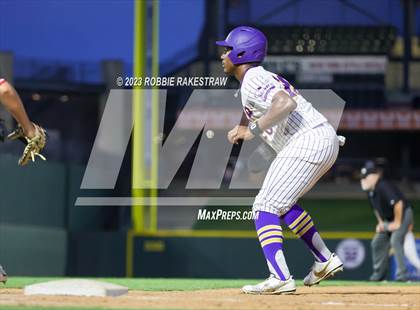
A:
x,y
381,244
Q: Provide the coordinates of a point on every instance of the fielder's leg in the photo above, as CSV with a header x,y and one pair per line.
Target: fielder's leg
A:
x,y
271,238
3,275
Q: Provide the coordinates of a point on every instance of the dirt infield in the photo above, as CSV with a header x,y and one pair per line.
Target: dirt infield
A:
x,y
351,297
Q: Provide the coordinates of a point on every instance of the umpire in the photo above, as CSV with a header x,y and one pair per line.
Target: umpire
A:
x,y
394,215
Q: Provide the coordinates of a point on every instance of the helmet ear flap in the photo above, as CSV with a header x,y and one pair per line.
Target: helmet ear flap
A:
x,y
240,54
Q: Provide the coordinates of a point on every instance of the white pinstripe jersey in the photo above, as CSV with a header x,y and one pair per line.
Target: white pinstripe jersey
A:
x,y
257,90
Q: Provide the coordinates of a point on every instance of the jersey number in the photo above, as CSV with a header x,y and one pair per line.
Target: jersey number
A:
x,y
286,86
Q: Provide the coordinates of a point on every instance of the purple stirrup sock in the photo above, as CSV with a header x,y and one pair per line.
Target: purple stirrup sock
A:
x,y
300,222
271,239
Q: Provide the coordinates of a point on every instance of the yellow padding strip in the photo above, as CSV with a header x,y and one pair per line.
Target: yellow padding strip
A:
x,y
271,240
270,234
298,219
180,233
267,227
301,224
301,233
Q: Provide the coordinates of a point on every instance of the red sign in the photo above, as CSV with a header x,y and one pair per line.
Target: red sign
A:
x,y
380,120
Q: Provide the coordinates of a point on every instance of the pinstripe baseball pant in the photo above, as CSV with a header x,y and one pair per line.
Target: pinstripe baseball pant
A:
x,y
296,169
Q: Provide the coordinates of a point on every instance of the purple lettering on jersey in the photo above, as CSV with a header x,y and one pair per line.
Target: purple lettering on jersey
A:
x,y
264,91
292,92
267,92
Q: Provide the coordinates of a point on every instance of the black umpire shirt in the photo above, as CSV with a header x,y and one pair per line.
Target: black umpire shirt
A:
x,y
384,197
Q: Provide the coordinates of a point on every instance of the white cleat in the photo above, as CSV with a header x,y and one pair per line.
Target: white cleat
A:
x,y
322,271
271,286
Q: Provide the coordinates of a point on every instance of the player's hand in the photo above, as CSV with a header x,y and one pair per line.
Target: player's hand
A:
x,y
239,133
380,227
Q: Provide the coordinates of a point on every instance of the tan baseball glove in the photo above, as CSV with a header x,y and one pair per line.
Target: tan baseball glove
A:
x,y
33,146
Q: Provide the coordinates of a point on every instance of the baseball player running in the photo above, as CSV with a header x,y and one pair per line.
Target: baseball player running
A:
x,y
306,146
31,134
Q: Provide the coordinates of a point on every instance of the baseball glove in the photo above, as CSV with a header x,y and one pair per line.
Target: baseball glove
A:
x,y
33,146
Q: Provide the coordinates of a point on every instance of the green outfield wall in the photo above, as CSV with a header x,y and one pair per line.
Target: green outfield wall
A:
x,y
42,233
225,257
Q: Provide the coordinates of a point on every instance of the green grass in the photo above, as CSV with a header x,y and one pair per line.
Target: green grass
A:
x,y
159,284
168,285
156,284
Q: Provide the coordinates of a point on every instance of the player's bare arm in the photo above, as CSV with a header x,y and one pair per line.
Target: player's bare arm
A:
x,y
281,106
11,100
31,134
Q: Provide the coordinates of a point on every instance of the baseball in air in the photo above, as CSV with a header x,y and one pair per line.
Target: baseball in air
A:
x,y
210,134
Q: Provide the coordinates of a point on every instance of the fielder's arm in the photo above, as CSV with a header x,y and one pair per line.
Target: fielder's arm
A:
x,y
12,102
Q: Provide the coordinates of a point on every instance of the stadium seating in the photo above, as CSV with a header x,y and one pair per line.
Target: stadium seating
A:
x,y
358,90
337,40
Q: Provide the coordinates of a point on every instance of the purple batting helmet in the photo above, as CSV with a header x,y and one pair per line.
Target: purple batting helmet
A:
x,y
248,45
